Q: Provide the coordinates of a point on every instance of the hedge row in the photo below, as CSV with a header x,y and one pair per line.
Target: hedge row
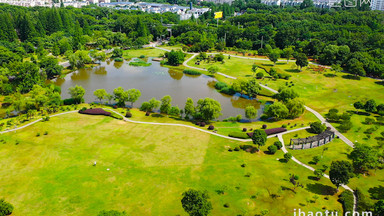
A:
x,y
271,131
191,72
346,199
239,135
95,111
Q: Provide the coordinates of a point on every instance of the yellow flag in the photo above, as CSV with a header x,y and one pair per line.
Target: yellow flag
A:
x,y
218,15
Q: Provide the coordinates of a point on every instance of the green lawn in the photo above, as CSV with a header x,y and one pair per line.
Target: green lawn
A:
x,y
147,52
149,168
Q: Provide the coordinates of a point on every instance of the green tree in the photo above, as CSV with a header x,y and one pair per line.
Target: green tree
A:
x,y
117,53
378,208
301,60
358,105
277,111
316,159
274,56
363,157
76,40
5,208
100,94
370,106
109,98
208,108
318,173
287,52
295,107
79,59
50,65
250,112
259,138
166,104
287,156
286,94
55,49
175,58
306,4
121,96
196,203
213,69
272,149
133,95
317,127
340,173
153,104
189,109
77,93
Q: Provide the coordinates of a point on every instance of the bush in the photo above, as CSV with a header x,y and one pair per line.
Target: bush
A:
x,y
220,85
38,134
226,205
46,133
237,148
239,135
128,115
202,124
211,127
264,126
147,113
244,129
278,144
318,127
5,208
345,126
191,72
272,149
70,101
259,75
346,199
287,156
275,130
95,111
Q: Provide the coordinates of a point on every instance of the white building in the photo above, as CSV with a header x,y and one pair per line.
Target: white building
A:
x,y
377,5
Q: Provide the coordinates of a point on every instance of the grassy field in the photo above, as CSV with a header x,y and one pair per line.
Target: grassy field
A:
x,y
149,168
147,52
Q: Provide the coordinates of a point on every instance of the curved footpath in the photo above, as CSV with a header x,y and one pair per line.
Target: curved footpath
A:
x,y
318,115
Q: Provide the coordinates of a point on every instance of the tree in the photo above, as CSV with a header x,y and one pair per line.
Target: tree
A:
x,y
174,111
340,173
277,111
259,138
278,144
133,95
272,149
55,49
213,69
5,208
287,52
76,41
189,109
363,157
274,56
77,93
295,107
333,115
208,108
112,213
117,53
301,60
250,112
165,104
306,4
378,208
370,106
317,127
254,68
355,67
286,94
100,94
99,56
109,97
196,203
121,96
153,104
287,156
79,59
175,58
318,173
51,67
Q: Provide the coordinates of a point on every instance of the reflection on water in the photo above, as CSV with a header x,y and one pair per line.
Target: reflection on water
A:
x,y
153,81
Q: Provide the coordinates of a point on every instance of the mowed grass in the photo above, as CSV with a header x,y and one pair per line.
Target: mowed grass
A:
x,y
149,168
147,52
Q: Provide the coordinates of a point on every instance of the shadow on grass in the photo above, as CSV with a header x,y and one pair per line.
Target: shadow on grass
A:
x,y
288,189
283,160
321,189
377,193
314,178
270,65
380,83
293,70
157,115
351,77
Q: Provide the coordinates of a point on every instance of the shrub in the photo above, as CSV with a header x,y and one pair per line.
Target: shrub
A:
x,y
244,129
287,156
318,127
202,124
220,85
264,126
346,199
259,75
128,115
46,133
272,149
284,126
5,208
237,148
38,134
345,126
147,113
211,127
369,121
275,131
226,205
239,135
95,111
278,144
191,72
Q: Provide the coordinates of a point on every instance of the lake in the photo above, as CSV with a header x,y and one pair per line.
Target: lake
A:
x,y
153,81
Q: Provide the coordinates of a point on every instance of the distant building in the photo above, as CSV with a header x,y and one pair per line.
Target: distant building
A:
x,y
377,5
220,1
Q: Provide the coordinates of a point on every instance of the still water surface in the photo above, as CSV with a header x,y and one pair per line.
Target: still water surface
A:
x,y
153,81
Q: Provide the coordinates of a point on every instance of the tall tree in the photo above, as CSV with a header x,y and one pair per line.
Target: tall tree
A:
x,y
100,94
189,109
77,93
340,173
301,60
259,138
208,108
133,95
196,203
166,104
250,112
363,158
